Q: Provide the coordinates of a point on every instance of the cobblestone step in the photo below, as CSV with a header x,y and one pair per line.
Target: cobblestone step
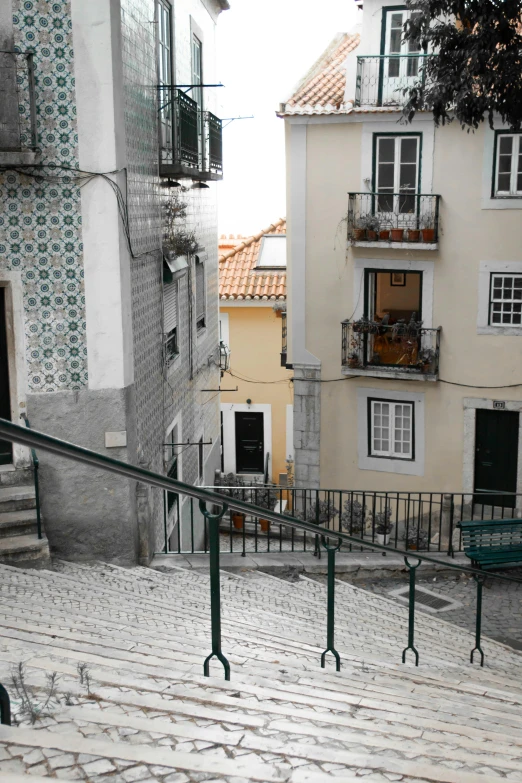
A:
x,y
18,523
151,715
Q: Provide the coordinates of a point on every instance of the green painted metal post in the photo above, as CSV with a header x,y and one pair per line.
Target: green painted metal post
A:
x,y
478,621
411,615
215,592
330,616
5,707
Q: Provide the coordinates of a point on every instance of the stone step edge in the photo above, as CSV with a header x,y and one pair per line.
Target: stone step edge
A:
x,y
157,756
153,701
199,695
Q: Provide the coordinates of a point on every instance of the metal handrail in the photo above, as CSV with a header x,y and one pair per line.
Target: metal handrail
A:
x,y
331,540
36,465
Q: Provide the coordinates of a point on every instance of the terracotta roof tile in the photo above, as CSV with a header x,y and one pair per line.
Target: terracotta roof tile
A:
x,y
238,276
322,89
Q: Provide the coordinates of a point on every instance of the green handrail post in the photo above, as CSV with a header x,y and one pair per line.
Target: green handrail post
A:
x,y
330,616
5,707
478,621
215,592
411,613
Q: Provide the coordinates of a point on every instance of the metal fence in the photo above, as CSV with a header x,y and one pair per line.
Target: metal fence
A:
x,y
382,79
393,217
413,521
18,129
402,346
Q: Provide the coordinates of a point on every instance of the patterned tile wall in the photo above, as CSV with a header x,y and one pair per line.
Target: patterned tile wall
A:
x,y
40,221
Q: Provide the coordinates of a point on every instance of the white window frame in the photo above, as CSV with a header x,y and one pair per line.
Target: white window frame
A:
x,y
494,278
398,140
405,46
384,464
376,407
486,270
515,157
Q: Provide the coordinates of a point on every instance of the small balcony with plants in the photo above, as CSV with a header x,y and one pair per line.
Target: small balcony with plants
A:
x,y
284,339
18,131
387,219
383,80
191,143
404,349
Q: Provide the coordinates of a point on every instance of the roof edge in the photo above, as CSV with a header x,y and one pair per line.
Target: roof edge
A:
x,y
250,240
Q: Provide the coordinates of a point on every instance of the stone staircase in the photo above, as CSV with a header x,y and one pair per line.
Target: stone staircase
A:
x,y
142,711
19,543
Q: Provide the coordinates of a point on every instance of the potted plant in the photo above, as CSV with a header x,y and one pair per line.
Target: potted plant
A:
x,y
365,326
416,538
318,512
372,225
359,229
353,360
234,488
382,525
384,234
177,239
397,234
427,225
426,359
413,235
353,517
261,496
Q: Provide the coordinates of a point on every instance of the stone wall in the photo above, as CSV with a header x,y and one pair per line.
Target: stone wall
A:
x,y
307,424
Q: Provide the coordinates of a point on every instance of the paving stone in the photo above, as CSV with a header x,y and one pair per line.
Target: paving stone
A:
x,y
99,767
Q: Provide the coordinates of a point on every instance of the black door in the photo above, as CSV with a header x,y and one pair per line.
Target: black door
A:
x,y
5,402
496,453
250,447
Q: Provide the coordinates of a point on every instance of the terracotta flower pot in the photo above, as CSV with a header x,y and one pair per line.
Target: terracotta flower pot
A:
x,y
384,235
353,363
397,234
412,547
238,521
265,525
414,234
371,235
428,235
359,234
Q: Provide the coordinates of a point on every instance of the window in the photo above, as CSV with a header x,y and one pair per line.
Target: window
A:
x,y
197,92
170,320
505,302
164,19
396,172
394,45
273,251
200,458
390,429
507,179
201,305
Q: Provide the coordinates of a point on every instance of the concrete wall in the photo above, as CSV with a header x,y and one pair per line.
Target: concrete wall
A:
x,y
470,234
255,344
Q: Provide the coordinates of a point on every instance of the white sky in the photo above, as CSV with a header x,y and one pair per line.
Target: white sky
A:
x,y
265,48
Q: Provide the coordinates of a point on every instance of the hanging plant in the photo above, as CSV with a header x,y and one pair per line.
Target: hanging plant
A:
x,y
177,239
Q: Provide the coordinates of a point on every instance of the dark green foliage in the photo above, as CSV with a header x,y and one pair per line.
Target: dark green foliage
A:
x,y
477,71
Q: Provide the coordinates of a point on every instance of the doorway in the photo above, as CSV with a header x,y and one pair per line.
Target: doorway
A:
x,y
250,445
393,305
496,457
6,452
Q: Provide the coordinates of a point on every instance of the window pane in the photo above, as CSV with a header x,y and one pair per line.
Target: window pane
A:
x,y
386,150
394,67
505,145
408,150
386,175
504,183
408,176
504,163
385,203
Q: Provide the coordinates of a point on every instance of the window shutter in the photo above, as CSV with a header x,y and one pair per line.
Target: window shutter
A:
x,y
170,307
200,291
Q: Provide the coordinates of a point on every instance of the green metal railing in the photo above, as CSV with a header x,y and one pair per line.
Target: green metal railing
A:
x,y
36,467
381,80
330,540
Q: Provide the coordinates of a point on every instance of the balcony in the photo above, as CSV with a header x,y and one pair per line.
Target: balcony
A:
x,y
402,220
190,139
401,350
382,79
284,340
18,135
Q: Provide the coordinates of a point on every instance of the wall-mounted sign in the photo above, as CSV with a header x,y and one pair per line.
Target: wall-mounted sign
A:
x,y
499,405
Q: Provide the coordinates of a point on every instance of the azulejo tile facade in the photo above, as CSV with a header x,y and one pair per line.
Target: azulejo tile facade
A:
x,y
40,227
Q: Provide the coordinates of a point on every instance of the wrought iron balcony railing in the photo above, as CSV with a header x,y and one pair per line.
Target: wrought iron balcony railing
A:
x,y
399,347
18,132
393,217
382,79
284,340
190,139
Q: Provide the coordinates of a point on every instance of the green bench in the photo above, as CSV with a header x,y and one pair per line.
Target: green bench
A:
x,y
492,543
